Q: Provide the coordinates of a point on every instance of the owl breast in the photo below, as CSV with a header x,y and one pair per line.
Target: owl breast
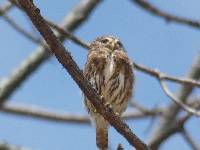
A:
x,y
114,84
111,75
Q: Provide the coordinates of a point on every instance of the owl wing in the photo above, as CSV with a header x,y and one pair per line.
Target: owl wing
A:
x,y
94,68
93,71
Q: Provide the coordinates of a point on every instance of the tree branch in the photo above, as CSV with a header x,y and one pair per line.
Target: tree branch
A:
x,y
168,17
41,113
173,109
5,7
20,29
157,74
177,101
66,60
71,22
69,35
188,138
6,146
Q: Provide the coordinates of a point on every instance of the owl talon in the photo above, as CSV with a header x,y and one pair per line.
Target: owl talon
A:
x,y
108,105
101,97
116,113
109,70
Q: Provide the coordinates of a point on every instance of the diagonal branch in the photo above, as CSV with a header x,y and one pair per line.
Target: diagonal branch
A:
x,y
34,39
66,60
177,101
168,17
20,29
75,18
5,8
173,109
175,127
69,35
188,138
71,22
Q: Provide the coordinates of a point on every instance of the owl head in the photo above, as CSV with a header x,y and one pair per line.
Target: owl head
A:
x,y
109,42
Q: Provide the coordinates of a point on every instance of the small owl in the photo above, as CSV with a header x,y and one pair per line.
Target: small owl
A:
x,y
110,72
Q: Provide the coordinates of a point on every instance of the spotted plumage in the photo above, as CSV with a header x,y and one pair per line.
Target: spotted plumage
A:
x,y
109,70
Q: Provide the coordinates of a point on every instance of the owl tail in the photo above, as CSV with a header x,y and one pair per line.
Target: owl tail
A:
x,y
102,135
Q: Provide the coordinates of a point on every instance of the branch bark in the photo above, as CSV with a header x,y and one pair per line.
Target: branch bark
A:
x,y
66,60
173,109
188,138
71,22
5,8
168,17
44,114
6,146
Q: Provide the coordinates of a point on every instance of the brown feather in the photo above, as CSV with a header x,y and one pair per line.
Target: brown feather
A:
x,y
110,72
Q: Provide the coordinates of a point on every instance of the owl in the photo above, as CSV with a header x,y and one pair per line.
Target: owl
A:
x,y
110,72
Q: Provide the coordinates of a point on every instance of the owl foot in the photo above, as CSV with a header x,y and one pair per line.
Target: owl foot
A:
x,y
108,105
117,114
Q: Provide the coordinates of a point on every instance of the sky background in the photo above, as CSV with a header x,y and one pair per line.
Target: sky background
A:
x,y
148,40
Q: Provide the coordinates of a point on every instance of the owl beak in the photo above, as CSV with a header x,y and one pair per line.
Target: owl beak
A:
x,y
112,45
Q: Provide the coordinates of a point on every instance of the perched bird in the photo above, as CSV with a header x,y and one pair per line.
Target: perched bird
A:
x,y
110,72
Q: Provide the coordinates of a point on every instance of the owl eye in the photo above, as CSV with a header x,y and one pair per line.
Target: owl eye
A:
x,y
105,41
119,44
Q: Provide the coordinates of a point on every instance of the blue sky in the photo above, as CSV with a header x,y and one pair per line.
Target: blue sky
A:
x,y
148,40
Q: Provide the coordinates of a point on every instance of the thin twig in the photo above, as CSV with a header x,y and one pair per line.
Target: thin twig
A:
x,y
168,17
44,114
36,40
16,26
66,60
177,101
5,8
161,77
41,113
71,22
69,35
176,127
152,112
188,138
157,74
6,146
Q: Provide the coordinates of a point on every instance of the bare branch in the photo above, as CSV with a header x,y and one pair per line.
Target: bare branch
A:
x,y
152,112
20,29
71,22
41,113
177,101
69,35
173,109
6,146
168,17
36,40
161,76
5,8
175,127
157,74
188,138
66,60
